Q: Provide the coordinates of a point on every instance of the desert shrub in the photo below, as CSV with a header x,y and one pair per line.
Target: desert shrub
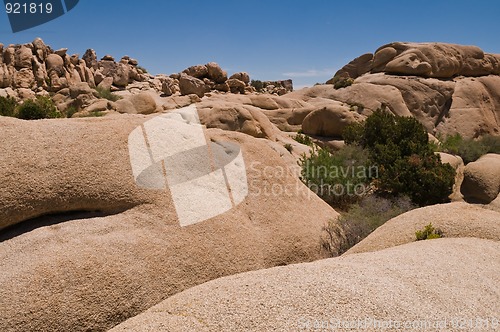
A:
x,y
107,94
258,85
339,178
428,233
7,106
399,147
70,111
40,108
303,139
470,149
142,69
361,219
94,114
289,147
342,82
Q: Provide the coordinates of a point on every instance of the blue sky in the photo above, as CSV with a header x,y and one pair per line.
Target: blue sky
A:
x,y
303,40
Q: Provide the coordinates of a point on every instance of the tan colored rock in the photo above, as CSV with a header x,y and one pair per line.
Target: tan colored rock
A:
x,y
40,49
55,63
236,86
24,78
23,57
388,288
125,106
455,220
356,67
235,117
427,99
198,71
144,103
100,105
216,73
241,76
329,121
482,179
437,60
114,266
90,59
475,110
79,89
191,85
458,165
106,83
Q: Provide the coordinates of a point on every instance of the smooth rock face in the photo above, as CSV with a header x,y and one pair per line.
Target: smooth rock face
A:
x,y
455,220
143,103
329,121
449,88
191,85
92,271
236,117
482,179
388,285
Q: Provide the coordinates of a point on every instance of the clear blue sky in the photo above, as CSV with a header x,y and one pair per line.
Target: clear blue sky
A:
x,y
306,40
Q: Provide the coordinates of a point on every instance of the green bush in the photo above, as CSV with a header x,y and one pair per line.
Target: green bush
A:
x,y
469,149
407,164
7,106
258,85
341,178
428,233
340,82
70,111
40,108
107,94
303,139
361,219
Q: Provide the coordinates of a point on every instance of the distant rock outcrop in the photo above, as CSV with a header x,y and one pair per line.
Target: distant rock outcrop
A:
x,y
36,69
449,88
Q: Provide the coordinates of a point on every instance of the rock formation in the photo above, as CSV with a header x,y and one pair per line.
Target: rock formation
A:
x,y
449,88
415,285
86,270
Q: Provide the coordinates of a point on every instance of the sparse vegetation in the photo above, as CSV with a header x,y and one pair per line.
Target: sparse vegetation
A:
x,y
40,108
470,149
341,82
361,219
142,69
339,178
303,139
107,94
258,85
94,114
289,147
7,106
428,233
399,147
70,111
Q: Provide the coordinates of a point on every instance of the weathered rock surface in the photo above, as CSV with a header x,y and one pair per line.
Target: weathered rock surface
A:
x,y
372,289
455,220
329,121
449,88
482,179
89,271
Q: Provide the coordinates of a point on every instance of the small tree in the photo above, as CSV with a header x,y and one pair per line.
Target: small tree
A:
x,y
40,108
400,147
7,106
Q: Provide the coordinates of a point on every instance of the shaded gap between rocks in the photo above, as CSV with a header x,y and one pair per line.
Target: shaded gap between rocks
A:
x,y
32,224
